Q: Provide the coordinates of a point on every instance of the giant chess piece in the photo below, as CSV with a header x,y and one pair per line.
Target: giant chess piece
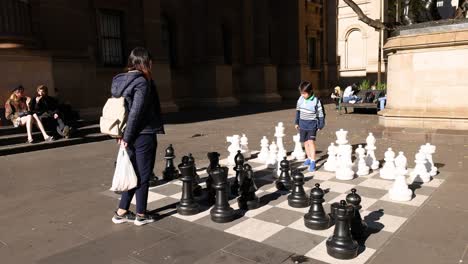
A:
x,y
279,134
272,156
388,170
420,173
341,245
298,197
197,189
298,152
233,148
213,157
279,157
362,168
283,183
248,200
344,170
371,160
429,150
187,204
239,168
316,218
358,227
222,211
330,164
170,172
264,151
341,137
400,191
244,146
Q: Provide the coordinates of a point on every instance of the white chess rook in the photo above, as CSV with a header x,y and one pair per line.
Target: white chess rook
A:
x,y
330,164
264,152
298,152
388,170
400,190
420,174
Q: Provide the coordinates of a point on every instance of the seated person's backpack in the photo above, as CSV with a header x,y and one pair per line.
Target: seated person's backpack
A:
x,y
114,117
370,96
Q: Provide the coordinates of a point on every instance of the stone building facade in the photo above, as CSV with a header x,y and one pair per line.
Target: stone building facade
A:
x,y
206,52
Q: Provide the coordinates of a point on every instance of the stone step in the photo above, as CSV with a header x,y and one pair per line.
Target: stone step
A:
x,y
10,130
18,138
26,147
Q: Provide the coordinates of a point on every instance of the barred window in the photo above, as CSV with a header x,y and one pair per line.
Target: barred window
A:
x,y
110,38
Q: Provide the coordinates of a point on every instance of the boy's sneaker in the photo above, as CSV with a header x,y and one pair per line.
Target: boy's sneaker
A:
x,y
129,216
143,220
306,162
312,166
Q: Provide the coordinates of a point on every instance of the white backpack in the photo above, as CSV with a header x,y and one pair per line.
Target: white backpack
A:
x,y
114,117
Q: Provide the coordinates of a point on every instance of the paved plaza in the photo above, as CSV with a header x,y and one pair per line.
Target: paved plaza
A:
x,y
56,207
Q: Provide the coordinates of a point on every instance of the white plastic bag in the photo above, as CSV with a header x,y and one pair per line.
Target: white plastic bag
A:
x,y
124,176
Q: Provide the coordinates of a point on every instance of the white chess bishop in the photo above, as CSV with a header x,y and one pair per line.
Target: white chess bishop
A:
x,y
233,148
279,134
298,152
362,168
388,170
244,146
420,173
344,170
330,164
429,150
264,151
371,160
271,161
400,191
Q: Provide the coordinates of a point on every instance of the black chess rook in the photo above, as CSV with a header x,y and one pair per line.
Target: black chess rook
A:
x,y
170,172
248,200
187,204
298,197
283,183
358,227
341,244
222,211
316,218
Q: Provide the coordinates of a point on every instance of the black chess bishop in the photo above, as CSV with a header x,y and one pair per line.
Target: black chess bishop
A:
x,y
170,172
358,227
239,169
248,200
283,183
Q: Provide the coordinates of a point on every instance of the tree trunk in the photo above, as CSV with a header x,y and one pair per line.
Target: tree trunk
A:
x,y
375,23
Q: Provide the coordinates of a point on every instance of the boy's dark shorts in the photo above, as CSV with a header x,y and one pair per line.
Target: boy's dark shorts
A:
x,y
307,135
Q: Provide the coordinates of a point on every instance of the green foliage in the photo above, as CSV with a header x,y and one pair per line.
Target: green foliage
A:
x,y
381,86
364,85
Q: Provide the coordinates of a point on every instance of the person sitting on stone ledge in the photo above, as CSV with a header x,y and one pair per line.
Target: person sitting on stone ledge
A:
x,y
348,94
18,112
46,107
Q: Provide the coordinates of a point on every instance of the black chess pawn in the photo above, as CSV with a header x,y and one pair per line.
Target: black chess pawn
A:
x,y
248,200
187,205
170,172
197,189
341,244
298,197
239,168
316,218
358,227
213,157
222,211
283,183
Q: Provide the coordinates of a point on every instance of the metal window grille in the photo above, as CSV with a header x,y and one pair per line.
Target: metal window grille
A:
x,y
111,39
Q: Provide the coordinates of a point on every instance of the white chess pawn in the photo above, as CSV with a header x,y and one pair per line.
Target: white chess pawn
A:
x,y
233,148
298,152
400,190
341,136
362,168
420,174
371,160
279,134
344,169
244,146
263,155
388,169
330,164
271,161
429,150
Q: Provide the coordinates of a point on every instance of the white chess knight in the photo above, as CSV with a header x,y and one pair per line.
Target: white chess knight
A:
x,y
341,136
362,168
264,151
420,174
298,152
244,146
428,150
344,166
371,161
272,155
330,164
279,134
388,170
400,190
233,148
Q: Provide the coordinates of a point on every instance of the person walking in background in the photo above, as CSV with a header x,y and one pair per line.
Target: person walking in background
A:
x,y
139,138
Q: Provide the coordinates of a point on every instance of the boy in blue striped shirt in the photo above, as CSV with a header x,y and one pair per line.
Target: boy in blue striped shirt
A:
x,y
310,118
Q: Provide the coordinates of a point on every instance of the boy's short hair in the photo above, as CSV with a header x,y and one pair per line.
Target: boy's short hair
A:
x,y
305,87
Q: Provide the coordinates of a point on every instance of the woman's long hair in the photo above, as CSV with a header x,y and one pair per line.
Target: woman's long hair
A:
x,y
140,60
13,97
